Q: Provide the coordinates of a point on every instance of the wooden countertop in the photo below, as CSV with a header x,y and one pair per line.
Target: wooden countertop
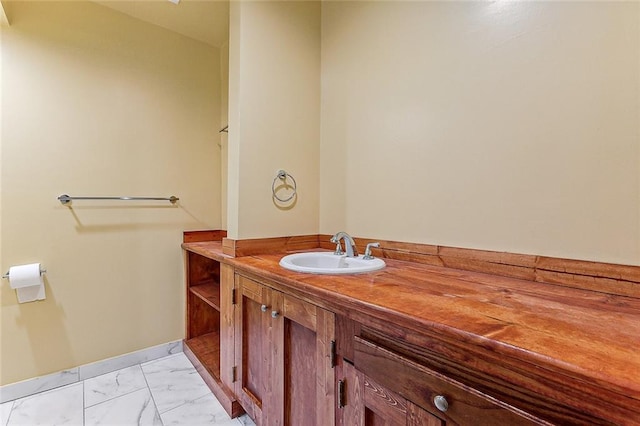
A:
x,y
587,337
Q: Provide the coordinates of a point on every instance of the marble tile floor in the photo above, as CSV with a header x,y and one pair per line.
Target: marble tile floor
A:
x,y
163,392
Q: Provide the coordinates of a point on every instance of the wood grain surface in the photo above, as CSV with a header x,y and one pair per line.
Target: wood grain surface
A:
x,y
199,236
572,347
239,248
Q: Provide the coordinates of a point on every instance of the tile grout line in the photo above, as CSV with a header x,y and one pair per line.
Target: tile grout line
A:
x,y
144,375
116,396
84,410
10,411
184,403
190,401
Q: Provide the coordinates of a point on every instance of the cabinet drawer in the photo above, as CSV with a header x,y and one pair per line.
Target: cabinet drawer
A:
x,y
423,386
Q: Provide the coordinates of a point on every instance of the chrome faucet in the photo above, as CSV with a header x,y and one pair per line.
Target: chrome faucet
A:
x,y
349,244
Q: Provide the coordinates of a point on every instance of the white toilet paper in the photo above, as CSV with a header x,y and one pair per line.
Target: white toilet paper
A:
x,y
27,281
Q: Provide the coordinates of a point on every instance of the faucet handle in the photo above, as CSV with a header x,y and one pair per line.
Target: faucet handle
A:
x,y
367,251
338,251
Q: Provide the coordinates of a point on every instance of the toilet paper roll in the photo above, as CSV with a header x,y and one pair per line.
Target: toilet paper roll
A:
x,y
27,281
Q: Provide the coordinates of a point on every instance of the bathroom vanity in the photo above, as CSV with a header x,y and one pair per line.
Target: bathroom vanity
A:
x,y
411,344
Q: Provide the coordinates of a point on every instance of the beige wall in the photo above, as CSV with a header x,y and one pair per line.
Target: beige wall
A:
x,y
97,103
224,137
510,126
274,116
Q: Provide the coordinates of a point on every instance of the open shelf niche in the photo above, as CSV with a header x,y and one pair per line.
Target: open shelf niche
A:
x,y
203,311
202,344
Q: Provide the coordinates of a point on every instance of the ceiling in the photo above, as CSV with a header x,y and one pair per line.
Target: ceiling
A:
x,y
203,20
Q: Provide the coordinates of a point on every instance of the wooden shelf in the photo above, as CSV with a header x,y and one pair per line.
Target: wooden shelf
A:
x,y
207,349
209,292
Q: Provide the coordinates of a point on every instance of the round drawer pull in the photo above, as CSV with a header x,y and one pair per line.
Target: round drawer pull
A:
x,y
263,308
441,403
275,314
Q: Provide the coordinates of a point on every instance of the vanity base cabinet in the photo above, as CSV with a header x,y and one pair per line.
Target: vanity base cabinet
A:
x,y
283,357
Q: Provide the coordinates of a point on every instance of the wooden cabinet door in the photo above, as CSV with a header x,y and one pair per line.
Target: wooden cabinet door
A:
x,y
252,346
284,359
303,374
363,402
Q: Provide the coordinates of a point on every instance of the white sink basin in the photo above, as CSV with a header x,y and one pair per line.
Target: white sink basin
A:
x,y
325,262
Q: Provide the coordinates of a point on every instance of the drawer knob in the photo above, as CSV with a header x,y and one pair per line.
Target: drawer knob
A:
x,y
441,403
263,308
275,314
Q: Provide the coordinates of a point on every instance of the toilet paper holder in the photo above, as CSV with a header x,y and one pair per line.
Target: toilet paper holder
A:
x,y
6,275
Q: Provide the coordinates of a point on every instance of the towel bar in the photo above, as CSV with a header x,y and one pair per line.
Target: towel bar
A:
x,y
66,199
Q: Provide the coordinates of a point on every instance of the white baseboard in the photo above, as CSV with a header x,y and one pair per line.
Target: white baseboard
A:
x,y
66,377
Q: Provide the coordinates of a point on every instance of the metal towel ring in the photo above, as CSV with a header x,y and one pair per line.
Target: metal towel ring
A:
x,y
282,175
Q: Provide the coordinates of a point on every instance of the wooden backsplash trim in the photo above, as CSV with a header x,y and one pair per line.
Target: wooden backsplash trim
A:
x,y
603,277
201,236
239,248
597,276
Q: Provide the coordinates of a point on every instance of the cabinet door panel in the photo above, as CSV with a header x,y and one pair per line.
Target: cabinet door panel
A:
x,y
305,355
299,365
253,356
252,346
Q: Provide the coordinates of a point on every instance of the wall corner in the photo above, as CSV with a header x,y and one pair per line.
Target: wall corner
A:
x,y
5,13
